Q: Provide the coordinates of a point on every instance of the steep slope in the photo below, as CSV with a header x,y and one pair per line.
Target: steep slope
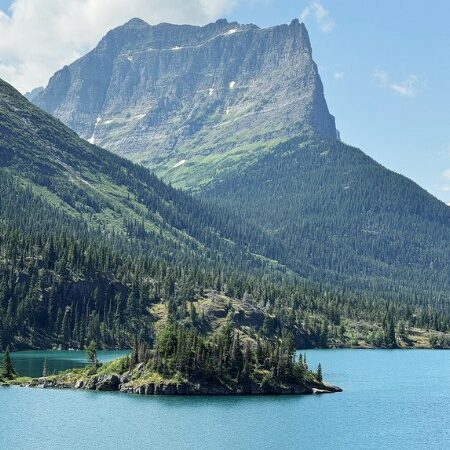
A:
x,y
93,247
192,102
89,242
214,107
346,220
109,193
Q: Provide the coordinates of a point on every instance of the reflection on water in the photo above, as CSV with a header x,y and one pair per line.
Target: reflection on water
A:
x,y
31,363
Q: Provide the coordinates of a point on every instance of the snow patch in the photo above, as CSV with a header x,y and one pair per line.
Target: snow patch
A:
x,y
130,58
106,122
232,84
179,163
176,48
210,91
91,140
232,31
98,120
227,111
346,187
325,153
139,116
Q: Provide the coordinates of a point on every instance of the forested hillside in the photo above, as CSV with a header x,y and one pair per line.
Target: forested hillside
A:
x,y
237,114
93,247
62,284
112,195
342,219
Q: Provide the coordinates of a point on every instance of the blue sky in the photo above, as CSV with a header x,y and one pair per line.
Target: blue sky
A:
x,y
374,47
385,65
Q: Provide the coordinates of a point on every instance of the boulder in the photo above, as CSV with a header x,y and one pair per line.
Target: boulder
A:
x,y
108,383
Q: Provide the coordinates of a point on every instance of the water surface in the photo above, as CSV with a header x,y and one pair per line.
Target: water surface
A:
x,y
392,399
31,363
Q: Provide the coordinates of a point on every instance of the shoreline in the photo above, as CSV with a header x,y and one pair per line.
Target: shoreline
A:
x,y
116,383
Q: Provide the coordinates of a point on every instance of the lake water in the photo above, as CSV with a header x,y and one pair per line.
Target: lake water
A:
x,y
392,399
31,363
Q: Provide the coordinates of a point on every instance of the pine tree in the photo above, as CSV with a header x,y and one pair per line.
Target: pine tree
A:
x,y
7,371
92,354
319,373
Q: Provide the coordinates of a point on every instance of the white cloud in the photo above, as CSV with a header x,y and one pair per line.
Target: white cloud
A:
x,y
408,87
446,174
381,77
338,75
41,36
321,16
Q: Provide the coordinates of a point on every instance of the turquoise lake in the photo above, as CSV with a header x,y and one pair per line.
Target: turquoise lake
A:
x,y
392,399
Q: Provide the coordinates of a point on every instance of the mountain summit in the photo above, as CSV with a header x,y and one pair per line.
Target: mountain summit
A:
x,y
187,99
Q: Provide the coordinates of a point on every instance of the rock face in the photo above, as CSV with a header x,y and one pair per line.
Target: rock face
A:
x,y
114,383
171,96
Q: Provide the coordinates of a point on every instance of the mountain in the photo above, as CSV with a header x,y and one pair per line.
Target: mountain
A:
x,y
33,93
108,193
345,220
94,247
89,242
237,114
192,102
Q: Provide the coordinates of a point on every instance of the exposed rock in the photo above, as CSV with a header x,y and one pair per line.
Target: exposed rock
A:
x,y
79,384
32,94
108,383
250,317
148,92
92,383
114,383
124,378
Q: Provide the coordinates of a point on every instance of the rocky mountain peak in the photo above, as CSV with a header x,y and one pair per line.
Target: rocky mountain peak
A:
x,y
135,22
182,95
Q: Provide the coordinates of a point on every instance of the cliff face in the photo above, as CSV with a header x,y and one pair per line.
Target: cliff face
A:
x,y
170,95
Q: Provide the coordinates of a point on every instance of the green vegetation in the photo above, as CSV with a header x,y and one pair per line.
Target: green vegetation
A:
x,y
95,248
183,353
7,371
91,352
319,375
183,361
335,216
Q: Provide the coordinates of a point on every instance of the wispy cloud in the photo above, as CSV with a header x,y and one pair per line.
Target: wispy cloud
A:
x,y
381,77
338,75
408,87
320,15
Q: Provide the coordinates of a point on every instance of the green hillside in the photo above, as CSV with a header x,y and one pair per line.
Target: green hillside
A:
x,y
342,219
93,247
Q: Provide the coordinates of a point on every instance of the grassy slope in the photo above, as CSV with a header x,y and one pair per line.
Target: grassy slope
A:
x,y
106,191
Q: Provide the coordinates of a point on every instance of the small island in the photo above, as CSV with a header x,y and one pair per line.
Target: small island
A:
x,y
181,361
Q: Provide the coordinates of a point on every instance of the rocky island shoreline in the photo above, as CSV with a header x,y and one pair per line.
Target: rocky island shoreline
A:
x,y
182,362
122,383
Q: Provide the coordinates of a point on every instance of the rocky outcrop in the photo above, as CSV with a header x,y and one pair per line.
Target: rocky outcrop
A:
x,y
165,94
122,384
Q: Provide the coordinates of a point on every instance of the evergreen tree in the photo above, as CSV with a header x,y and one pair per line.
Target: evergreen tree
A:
x,y
92,354
319,373
7,371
